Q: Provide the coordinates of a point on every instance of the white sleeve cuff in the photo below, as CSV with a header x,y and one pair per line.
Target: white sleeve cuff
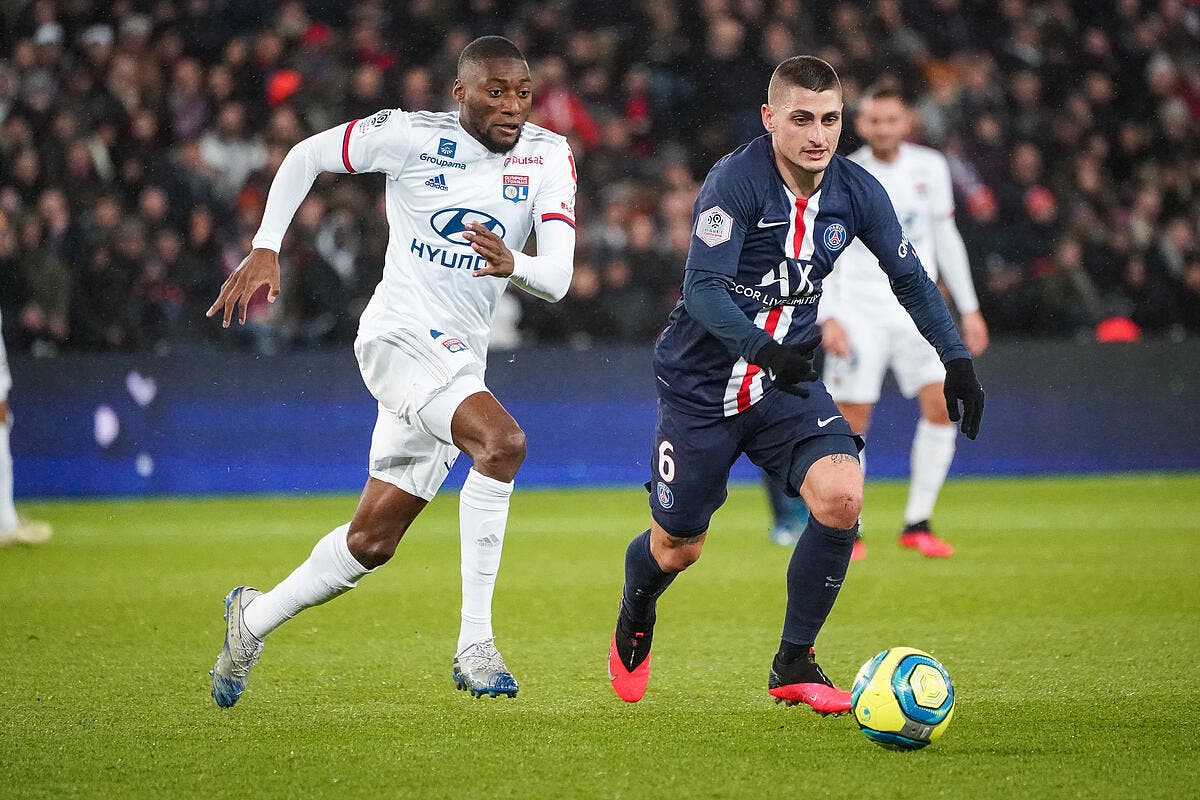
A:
x,y
548,274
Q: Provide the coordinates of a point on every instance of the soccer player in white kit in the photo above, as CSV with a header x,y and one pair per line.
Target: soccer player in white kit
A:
x,y
866,331
464,191
14,529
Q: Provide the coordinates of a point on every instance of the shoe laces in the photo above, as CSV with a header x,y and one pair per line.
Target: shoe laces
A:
x,y
483,656
243,652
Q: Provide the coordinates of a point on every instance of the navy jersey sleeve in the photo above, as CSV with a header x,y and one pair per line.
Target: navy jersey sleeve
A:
x,y
880,231
723,212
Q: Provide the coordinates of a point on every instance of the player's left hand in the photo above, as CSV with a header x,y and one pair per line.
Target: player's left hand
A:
x,y
500,261
962,385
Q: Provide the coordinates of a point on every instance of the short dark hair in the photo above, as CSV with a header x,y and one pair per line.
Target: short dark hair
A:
x,y
884,89
807,72
486,48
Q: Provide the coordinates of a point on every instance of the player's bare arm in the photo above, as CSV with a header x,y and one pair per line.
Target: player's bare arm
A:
x,y
260,268
487,244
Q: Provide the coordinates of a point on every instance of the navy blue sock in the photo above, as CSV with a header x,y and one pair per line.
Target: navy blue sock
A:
x,y
814,578
644,580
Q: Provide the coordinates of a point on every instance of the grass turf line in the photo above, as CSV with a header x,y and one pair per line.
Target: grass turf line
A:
x,y
1066,619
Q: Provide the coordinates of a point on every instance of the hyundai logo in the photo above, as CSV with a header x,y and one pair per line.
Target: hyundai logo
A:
x,y
451,224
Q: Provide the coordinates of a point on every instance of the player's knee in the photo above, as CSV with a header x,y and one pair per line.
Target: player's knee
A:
x,y
679,557
839,508
502,455
373,545
675,553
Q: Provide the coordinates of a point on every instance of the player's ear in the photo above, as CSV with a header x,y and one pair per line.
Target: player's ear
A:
x,y
459,91
768,118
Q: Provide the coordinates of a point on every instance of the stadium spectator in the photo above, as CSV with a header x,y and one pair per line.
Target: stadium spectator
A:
x,y
231,152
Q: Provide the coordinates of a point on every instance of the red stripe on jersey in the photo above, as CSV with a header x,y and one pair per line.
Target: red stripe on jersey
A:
x,y
743,395
798,237
346,147
559,217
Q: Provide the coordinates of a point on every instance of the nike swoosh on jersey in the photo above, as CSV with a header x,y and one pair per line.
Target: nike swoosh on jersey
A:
x,y
821,423
762,223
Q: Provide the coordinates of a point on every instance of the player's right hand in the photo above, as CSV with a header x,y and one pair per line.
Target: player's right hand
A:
x,y
790,364
962,385
259,268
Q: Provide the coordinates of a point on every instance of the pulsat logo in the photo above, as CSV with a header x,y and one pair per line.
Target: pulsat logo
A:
x,y
451,224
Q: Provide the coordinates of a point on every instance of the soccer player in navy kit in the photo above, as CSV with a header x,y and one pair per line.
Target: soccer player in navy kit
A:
x,y
735,371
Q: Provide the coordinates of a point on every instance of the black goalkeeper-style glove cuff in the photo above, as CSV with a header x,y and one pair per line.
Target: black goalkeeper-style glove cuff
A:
x,y
789,364
962,386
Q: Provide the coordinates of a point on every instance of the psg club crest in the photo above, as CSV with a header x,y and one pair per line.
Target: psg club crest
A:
x,y
516,188
665,498
835,236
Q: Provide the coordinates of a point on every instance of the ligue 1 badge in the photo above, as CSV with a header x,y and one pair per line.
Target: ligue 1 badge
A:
x,y
516,188
835,236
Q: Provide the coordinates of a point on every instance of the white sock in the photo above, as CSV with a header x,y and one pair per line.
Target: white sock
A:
x,y
482,515
329,571
8,512
932,451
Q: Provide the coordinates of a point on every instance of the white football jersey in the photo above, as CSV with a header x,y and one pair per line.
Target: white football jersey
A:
x,y
918,183
439,178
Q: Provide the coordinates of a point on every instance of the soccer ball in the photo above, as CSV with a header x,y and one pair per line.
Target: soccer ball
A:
x,y
902,699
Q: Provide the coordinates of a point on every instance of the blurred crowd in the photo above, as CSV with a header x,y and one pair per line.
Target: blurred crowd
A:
x,y
138,141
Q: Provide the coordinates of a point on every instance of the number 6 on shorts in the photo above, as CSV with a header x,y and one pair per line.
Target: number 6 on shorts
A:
x,y
666,464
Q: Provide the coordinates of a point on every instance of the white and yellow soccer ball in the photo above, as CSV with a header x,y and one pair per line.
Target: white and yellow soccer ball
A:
x,y
903,699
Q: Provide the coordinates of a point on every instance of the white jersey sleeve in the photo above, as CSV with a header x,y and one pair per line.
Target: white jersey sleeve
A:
x,y
548,274
951,253
379,143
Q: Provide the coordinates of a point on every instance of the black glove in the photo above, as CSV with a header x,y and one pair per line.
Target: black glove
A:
x,y
961,384
790,364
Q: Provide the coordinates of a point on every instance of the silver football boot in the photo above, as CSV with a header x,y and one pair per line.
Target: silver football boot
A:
x,y
480,670
239,653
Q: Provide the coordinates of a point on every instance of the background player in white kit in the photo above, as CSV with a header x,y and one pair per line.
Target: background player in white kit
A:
x,y
464,191
13,528
866,332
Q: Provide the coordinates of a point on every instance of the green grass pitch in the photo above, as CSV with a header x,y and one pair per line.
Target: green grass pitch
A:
x,y
1069,621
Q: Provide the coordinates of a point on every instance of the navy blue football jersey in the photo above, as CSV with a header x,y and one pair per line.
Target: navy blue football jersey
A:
x,y
776,249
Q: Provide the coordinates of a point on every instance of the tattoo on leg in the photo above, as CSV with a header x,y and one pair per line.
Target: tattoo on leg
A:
x,y
838,458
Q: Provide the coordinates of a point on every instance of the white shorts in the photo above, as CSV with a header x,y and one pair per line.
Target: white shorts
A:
x,y
875,347
418,381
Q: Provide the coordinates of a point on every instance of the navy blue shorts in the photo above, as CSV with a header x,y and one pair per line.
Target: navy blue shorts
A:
x,y
782,433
